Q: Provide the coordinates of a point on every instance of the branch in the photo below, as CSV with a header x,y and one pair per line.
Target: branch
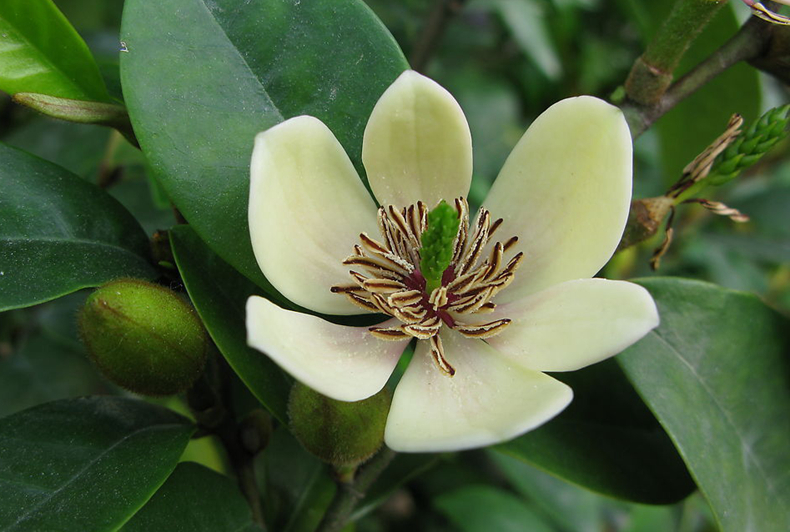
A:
x,y
651,74
350,493
749,43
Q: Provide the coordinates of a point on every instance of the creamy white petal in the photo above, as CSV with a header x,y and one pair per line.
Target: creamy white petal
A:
x,y
307,209
345,363
574,324
565,191
488,400
417,144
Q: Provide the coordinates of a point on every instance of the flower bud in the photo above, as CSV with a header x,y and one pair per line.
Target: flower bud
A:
x,y
340,433
256,431
143,337
644,219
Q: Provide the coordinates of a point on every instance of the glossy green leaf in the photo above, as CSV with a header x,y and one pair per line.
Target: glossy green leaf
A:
x,y
194,499
220,294
485,508
717,375
41,52
607,441
298,486
85,464
692,125
59,234
201,79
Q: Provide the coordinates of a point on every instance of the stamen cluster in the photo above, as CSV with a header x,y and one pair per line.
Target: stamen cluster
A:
x,y
387,277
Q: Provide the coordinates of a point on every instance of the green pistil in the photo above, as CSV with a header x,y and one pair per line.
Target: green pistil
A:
x,y
437,244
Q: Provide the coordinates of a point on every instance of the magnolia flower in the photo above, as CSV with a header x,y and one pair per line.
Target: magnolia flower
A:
x,y
498,313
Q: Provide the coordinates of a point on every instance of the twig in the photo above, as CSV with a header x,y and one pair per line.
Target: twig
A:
x,y
428,40
350,493
749,43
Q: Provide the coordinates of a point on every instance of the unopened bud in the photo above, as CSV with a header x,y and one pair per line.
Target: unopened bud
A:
x,y
143,337
340,433
256,430
644,219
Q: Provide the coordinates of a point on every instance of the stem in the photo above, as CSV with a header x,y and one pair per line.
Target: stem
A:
x,y
426,44
749,43
651,74
348,494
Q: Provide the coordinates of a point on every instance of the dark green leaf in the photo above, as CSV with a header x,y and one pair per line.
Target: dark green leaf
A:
x,y
194,499
486,508
202,78
717,376
220,294
606,440
59,234
41,52
85,464
298,485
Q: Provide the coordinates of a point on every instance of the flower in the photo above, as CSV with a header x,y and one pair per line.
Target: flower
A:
x,y
476,377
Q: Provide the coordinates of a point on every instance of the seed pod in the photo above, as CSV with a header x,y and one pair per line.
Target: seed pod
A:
x,y
143,337
340,433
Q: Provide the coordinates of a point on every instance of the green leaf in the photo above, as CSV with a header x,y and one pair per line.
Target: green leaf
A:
x,y
607,441
59,234
574,508
717,376
486,508
194,499
220,294
41,52
693,124
44,365
85,464
202,78
298,485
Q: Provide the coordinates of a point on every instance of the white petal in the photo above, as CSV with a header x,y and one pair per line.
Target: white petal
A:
x,y
487,401
574,324
345,363
565,192
417,144
307,209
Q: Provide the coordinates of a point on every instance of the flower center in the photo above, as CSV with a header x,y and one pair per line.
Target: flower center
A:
x,y
425,279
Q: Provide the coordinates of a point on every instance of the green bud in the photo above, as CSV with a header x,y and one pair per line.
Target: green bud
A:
x,y
143,337
339,433
750,145
437,244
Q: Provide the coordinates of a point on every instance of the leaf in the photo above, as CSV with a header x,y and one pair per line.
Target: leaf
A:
x,y
202,78
194,499
717,376
485,508
607,441
59,234
693,124
574,508
85,464
41,52
220,294
298,485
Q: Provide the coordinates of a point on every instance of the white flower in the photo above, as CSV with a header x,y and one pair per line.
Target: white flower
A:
x,y
564,192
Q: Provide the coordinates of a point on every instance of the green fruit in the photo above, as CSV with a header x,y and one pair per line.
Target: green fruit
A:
x,y
340,433
143,337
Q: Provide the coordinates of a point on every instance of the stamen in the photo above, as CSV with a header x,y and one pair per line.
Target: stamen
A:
x,y
430,288
437,352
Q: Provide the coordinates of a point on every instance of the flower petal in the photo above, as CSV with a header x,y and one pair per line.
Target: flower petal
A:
x,y
574,324
565,191
417,144
345,363
307,209
487,401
